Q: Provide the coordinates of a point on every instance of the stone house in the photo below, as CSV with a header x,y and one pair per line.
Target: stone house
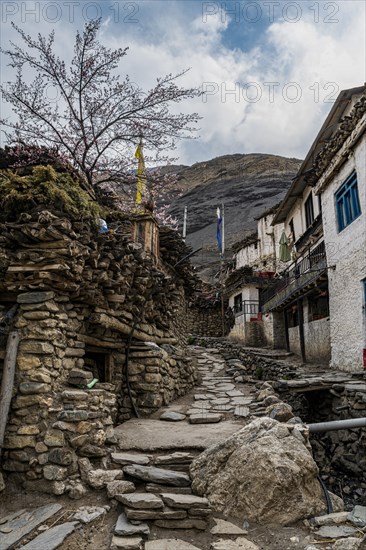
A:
x,y
308,294
100,321
255,262
300,295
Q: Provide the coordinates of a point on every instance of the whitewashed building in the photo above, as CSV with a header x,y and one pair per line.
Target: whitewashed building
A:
x,y
321,296
260,250
340,176
256,260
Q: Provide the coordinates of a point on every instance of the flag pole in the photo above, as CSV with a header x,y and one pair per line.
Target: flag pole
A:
x,y
221,243
222,271
223,229
185,223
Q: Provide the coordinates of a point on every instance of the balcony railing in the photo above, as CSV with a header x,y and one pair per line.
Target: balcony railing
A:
x,y
296,277
247,307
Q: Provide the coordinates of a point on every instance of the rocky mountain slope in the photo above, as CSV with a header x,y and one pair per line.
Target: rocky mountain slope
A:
x,y
246,185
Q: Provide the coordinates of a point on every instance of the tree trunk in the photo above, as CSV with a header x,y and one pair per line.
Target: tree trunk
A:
x,y
8,381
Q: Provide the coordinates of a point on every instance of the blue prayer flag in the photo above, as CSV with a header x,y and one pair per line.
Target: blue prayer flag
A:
x,y
219,225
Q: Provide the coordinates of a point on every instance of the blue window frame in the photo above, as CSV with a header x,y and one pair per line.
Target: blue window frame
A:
x,y
348,202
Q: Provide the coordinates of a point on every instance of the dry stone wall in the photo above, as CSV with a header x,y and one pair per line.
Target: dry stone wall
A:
x,y
83,299
205,321
339,454
156,377
253,365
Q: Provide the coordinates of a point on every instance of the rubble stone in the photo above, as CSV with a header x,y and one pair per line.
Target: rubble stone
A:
x,y
99,478
169,544
86,514
172,416
119,487
223,527
240,543
149,515
184,501
127,543
130,458
182,524
207,418
335,532
351,543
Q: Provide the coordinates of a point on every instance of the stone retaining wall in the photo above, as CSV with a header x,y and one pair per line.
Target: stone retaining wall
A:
x,y
205,321
156,378
252,364
340,455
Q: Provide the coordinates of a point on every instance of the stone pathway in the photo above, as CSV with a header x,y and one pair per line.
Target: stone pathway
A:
x,y
218,402
17,525
148,477
165,499
217,396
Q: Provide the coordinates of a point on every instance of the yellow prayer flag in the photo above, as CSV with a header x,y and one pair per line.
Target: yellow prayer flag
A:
x,y
140,191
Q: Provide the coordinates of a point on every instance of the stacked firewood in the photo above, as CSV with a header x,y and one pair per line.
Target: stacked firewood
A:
x,y
175,254
45,252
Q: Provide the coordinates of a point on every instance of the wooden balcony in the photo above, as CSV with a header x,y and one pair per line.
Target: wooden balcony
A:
x,y
296,280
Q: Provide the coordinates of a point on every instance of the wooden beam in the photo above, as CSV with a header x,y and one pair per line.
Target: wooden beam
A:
x,y
115,324
36,267
171,341
46,245
8,296
91,341
7,383
300,312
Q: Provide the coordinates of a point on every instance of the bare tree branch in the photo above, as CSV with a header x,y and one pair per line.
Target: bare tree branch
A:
x,y
99,116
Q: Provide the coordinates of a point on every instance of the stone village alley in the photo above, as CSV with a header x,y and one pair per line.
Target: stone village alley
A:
x,y
143,497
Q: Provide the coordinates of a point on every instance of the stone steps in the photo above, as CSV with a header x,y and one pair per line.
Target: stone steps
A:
x,y
164,498
167,511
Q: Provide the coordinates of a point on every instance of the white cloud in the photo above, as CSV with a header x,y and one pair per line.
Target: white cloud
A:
x,y
171,36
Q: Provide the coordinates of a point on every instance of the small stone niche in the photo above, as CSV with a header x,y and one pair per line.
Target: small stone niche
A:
x,y
99,363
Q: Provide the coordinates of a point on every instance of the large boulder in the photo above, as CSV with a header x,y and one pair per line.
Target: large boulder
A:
x,y
265,472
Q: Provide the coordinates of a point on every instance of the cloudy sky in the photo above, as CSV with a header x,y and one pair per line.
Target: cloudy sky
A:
x,y
271,70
